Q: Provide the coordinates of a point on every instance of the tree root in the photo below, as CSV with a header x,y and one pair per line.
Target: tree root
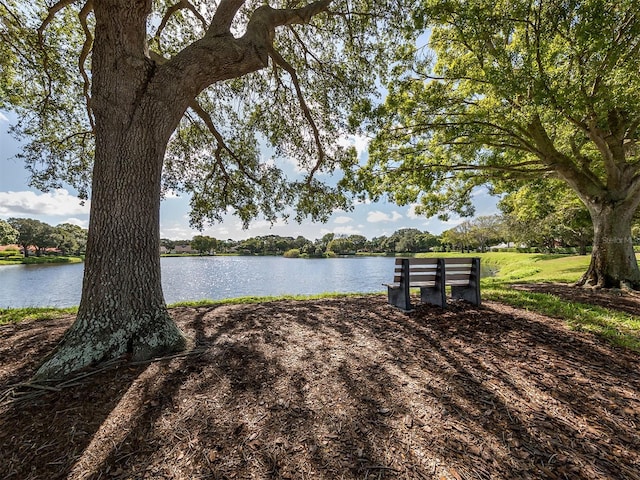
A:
x,y
25,391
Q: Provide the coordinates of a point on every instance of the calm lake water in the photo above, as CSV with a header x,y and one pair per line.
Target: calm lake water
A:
x,y
196,278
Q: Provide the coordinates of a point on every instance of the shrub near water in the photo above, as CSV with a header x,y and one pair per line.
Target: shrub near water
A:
x,y
19,259
37,260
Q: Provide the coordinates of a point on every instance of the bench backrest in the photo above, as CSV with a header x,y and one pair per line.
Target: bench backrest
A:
x,y
462,270
458,271
418,270
461,274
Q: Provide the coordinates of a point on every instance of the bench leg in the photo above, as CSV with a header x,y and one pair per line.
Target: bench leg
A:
x,y
433,296
471,292
437,294
399,297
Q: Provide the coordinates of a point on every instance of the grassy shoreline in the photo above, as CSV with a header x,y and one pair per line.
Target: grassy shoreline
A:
x,y
40,260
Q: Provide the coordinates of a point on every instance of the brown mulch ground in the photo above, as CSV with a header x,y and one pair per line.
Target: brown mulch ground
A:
x,y
338,388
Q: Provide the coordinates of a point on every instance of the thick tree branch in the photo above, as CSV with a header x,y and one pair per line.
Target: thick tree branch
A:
x,y
275,17
537,46
223,18
217,57
465,167
451,78
577,179
598,137
526,145
84,54
265,19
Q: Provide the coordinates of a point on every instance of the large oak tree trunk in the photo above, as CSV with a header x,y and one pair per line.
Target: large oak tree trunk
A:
x,y
613,261
137,104
122,309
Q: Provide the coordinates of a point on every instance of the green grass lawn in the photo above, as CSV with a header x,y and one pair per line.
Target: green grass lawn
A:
x,y
33,260
13,315
618,328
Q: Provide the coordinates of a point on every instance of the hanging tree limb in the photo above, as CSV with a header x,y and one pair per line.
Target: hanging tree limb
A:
x,y
181,5
84,54
222,145
51,14
277,58
52,11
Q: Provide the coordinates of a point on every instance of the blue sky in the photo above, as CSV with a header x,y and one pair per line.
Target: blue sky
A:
x,y
18,199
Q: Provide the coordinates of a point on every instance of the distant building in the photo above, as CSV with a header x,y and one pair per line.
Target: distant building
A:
x,y
184,249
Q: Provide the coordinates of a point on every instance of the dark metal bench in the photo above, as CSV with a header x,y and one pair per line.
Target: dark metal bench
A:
x,y
432,276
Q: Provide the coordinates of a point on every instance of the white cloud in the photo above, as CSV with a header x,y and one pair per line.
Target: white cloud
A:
x,y
58,203
438,225
360,143
219,232
169,194
481,191
293,163
342,220
377,216
3,117
177,232
77,221
411,212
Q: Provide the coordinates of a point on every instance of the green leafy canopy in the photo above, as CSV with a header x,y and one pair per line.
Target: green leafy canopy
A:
x,y
506,92
296,108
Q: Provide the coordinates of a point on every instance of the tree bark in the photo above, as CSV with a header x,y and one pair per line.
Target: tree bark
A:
x,y
613,261
582,247
122,309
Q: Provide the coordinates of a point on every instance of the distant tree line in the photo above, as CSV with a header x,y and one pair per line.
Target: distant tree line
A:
x,y
543,227
404,240
531,219
40,237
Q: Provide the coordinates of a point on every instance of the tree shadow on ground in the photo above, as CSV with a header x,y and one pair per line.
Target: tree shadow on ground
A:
x,y
343,388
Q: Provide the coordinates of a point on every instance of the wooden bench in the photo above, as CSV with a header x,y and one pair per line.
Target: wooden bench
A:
x,y
432,276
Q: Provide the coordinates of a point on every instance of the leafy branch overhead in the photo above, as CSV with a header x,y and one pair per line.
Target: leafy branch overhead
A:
x,y
515,91
503,94
267,89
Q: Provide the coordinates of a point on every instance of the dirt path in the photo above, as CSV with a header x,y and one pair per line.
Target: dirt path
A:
x,y
338,388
